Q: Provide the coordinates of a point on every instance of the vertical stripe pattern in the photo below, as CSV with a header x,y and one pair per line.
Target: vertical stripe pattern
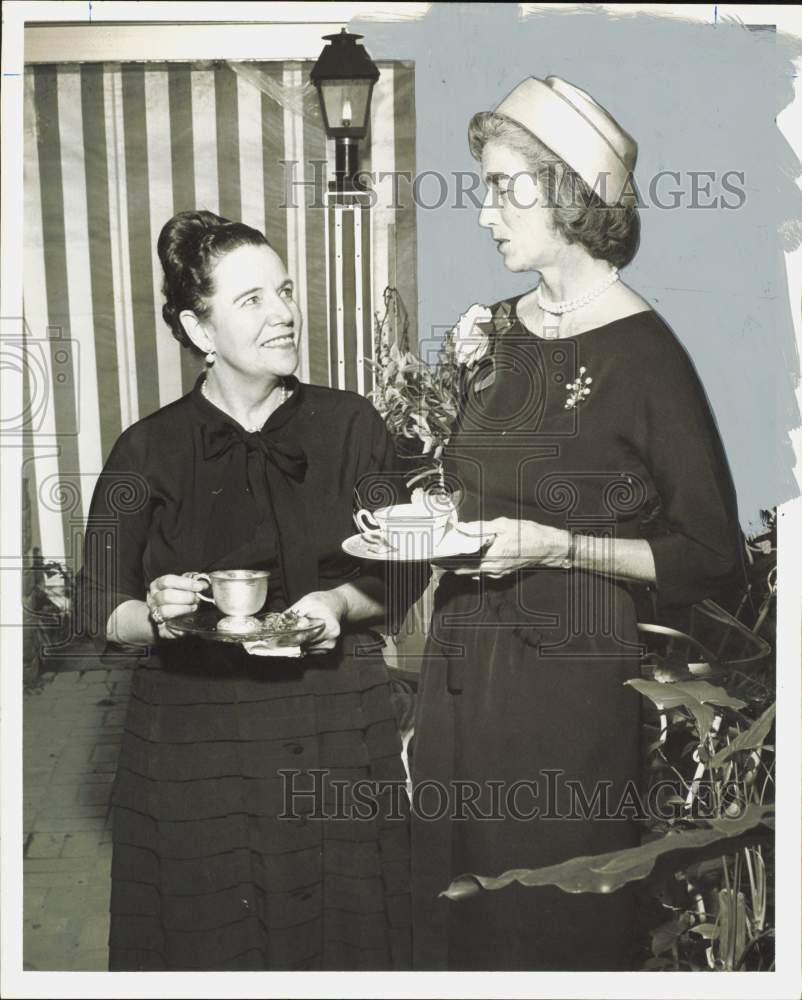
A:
x,y
111,153
405,242
367,297
79,290
120,251
274,157
44,468
315,156
338,342
226,119
182,145
251,157
350,339
204,137
358,302
382,128
62,494
296,213
349,296
160,202
134,127
102,287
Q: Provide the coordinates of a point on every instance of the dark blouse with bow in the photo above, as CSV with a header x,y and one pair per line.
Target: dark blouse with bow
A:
x,y
187,488
209,872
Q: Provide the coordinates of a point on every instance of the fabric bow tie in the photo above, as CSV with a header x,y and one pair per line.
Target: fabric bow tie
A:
x,y
288,458
271,483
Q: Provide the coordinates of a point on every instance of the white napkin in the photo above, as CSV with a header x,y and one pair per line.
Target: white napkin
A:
x,y
258,648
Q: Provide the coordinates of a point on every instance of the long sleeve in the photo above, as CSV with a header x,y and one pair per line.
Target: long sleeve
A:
x,y
699,551
115,540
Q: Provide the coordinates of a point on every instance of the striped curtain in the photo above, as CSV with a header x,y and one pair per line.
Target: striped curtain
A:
x,y
111,152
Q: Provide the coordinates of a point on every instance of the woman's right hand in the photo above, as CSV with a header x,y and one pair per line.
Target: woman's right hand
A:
x,y
169,596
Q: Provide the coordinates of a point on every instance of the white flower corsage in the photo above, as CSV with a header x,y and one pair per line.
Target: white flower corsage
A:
x,y
470,342
578,391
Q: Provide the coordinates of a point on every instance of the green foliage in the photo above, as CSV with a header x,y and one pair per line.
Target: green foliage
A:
x,y
710,864
609,872
753,738
695,696
416,401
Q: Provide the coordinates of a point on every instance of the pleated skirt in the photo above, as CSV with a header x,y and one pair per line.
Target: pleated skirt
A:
x,y
236,844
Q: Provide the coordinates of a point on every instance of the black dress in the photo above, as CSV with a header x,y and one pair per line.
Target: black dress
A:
x,y
214,867
523,677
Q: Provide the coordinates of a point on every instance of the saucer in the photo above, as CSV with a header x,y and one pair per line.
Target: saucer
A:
x,y
454,543
276,629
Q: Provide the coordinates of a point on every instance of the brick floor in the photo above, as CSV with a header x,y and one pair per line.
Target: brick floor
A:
x,y
72,723
72,730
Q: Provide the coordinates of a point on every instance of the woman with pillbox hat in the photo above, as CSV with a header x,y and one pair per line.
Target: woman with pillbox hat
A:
x,y
586,450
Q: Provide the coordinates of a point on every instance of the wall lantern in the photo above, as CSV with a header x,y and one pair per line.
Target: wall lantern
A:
x,y
344,75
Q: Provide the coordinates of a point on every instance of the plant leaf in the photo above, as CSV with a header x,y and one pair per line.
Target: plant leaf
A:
x,y
704,716
750,739
695,696
708,693
676,693
708,931
608,872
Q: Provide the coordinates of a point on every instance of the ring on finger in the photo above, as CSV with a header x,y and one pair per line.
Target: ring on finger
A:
x,y
156,614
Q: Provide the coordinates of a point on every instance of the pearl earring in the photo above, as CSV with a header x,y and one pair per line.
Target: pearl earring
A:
x,y
210,357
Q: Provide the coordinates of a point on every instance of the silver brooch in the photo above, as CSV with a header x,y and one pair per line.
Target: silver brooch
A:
x,y
579,390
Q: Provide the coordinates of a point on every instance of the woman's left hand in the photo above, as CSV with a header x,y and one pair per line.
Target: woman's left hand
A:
x,y
330,608
516,545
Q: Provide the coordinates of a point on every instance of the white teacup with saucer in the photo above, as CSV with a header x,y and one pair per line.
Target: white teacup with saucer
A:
x,y
411,530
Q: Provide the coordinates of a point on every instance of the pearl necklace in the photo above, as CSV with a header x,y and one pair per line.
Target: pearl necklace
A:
x,y
285,395
569,305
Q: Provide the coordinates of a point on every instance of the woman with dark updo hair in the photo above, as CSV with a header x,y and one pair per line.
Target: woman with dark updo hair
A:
x,y
226,852
586,449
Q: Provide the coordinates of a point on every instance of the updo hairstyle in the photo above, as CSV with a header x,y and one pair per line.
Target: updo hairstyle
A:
x,y
189,247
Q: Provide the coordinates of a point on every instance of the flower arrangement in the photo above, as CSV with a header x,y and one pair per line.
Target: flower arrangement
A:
x,y
418,402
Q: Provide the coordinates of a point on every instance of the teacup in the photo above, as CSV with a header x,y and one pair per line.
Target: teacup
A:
x,y
238,593
412,529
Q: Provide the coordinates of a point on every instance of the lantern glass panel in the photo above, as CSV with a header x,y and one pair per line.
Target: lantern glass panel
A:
x,y
346,102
